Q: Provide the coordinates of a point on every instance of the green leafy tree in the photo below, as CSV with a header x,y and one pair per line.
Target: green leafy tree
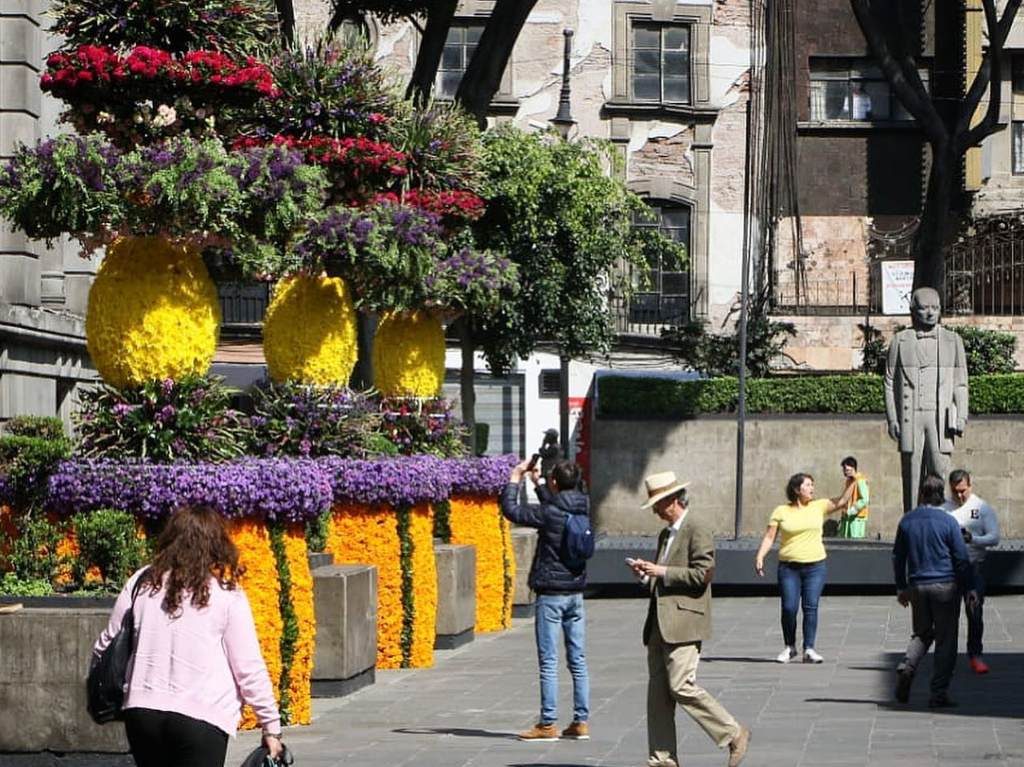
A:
x,y
561,214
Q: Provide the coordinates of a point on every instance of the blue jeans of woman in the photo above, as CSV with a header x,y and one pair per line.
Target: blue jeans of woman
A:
x,y
562,615
800,586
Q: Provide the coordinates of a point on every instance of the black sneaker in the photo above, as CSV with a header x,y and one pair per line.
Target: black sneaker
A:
x,y
903,682
941,701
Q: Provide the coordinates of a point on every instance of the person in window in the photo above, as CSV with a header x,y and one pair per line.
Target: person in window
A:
x,y
801,560
859,102
854,521
197,658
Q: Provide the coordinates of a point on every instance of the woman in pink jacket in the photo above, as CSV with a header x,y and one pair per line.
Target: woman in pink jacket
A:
x,y
197,659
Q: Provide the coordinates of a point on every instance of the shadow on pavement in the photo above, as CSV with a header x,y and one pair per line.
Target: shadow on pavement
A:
x,y
996,694
734,659
459,732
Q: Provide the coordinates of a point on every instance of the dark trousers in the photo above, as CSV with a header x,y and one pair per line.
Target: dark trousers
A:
x,y
800,586
975,617
936,618
167,739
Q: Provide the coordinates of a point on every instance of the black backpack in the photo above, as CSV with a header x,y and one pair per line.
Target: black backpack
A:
x,y
577,542
109,672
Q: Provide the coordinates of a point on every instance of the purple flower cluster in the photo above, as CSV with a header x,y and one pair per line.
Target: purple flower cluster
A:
x,y
276,490
485,475
403,481
6,491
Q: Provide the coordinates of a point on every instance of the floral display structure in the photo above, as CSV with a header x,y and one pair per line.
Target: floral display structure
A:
x,y
408,354
153,313
309,333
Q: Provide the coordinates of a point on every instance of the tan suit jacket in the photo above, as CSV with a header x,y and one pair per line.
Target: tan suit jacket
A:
x,y
681,601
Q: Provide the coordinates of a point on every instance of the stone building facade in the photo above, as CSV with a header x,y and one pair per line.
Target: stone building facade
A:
x,y
43,288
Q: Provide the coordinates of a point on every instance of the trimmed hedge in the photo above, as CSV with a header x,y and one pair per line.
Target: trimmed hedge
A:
x,y
632,397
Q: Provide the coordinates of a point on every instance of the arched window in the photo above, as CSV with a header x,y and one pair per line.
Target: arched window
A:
x,y
665,300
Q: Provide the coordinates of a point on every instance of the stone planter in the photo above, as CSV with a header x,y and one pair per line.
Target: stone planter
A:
x,y
345,600
44,659
524,543
456,595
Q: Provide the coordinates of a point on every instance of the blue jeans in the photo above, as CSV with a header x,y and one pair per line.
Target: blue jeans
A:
x,y
800,584
562,614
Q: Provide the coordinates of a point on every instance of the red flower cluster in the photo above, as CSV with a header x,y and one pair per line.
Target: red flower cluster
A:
x,y
358,155
453,204
94,65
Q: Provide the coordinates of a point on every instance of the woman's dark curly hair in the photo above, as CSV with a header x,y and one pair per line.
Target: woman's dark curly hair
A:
x,y
193,546
793,486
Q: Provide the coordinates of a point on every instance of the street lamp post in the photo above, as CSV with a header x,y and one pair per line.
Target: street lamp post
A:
x,y
563,122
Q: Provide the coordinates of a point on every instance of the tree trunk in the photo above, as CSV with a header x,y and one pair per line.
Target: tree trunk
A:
x,y
286,20
435,33
467,394
362,375
933,231
482,78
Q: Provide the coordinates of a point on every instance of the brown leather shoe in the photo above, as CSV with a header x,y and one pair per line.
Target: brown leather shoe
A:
x,y
738,747
540,732
576,731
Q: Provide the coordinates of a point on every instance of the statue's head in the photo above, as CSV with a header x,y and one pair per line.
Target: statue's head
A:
x,y
925,308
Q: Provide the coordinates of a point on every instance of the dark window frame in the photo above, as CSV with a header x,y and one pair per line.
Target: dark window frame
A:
x,y
1017,147
661,27
1017,74
466,47
654,304
851,71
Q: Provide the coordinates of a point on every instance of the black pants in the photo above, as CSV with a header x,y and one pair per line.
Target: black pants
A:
x,y
167,739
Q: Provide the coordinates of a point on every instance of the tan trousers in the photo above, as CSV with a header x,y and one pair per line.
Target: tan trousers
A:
x,y
672,679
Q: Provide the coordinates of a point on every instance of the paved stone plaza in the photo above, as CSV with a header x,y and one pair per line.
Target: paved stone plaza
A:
x,y
466,709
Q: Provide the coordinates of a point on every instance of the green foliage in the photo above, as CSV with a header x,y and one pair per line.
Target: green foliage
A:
x,y
633,397
422,426
317,530
568,224
717,355
403,518
26,462
107,540
34,553
443,144
14,586
988,351
289,620
41,427
874,350
232,26
186,420
442,521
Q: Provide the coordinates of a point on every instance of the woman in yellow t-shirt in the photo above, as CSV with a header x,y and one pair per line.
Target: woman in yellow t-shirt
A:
x,y
801,560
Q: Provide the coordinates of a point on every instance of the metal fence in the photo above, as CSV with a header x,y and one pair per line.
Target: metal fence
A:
x,y
985,268
838,294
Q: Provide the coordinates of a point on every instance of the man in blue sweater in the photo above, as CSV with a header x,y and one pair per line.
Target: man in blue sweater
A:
x,y
931,567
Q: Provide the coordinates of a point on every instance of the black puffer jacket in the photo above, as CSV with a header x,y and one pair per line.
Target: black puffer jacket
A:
x,y
548,574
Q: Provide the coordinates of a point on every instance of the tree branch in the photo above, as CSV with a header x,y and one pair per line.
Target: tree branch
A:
x,y
902,75
990,77
286,20
428,58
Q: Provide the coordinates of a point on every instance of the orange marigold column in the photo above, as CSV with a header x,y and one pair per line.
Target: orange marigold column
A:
x,y
476,520
365,535
424,580
262,588
299,686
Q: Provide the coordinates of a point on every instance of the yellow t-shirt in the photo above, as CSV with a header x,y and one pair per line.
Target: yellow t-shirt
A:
x,y
800,531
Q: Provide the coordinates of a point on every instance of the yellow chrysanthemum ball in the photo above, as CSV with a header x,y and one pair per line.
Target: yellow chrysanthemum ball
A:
x,y
153,313
408,355
309,333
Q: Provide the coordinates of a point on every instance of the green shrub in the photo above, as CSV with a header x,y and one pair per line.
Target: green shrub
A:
x,y
629,397
26,462
718,355
874,350
42,427
107,540
988,351
12,585
34,552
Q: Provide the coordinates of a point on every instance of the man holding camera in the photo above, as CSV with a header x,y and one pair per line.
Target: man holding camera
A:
x,y
980,528
558,581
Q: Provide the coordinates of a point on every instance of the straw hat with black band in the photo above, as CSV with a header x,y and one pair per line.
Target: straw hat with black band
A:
x,y
662,485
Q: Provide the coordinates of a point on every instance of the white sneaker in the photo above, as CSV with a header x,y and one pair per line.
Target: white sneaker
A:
x,y
786,655
811,656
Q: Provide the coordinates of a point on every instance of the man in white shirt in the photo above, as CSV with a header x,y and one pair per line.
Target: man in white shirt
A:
x,y
980,527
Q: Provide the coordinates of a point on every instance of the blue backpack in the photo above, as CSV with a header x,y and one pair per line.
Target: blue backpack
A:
x,y
577,541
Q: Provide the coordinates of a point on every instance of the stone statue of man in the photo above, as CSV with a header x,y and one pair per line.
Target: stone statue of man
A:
x,y
925,393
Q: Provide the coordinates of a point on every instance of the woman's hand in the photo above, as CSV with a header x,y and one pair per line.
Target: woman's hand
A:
x,y
764,548
273,744
759,566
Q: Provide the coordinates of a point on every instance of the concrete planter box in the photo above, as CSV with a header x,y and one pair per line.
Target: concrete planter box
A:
x,y
44,659
524,543
345,601
456,595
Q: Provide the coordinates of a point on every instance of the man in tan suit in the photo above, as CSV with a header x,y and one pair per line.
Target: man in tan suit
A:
x,y
678,620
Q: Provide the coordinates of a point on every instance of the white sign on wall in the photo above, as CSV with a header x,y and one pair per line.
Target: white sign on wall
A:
x,y
897,285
